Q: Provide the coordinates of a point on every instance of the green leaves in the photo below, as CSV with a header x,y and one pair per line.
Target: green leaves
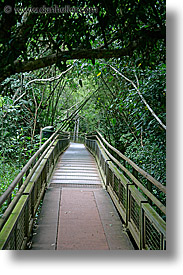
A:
x,y
8,172
113,120
1,101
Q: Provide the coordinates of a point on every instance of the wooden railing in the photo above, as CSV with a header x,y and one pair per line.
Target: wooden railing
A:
x,y
17,221
142,212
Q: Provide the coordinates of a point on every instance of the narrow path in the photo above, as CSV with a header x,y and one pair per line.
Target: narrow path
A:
x,y
77,213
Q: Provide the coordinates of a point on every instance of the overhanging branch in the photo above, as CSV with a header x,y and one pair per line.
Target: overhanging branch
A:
x,y
142,98
49,60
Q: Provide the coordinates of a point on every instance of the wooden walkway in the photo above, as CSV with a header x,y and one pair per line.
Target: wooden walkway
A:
x,y
77,213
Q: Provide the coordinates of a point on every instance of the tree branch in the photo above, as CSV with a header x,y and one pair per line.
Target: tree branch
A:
x,y
49,79
49,60
43,80
142,98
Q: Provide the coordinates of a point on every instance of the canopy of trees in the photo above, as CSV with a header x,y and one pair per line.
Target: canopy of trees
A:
x,y
32,40
102,67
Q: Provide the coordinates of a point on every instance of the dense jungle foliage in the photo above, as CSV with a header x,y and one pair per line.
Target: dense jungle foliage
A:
x,y
112,55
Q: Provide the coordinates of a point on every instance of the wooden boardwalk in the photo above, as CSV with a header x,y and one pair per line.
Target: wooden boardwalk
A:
x,y
77,213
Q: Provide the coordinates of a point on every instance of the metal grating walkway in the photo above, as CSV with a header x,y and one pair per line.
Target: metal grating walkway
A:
x,y
76,166
77,213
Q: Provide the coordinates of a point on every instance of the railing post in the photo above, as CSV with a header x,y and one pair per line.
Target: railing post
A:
x,y
26,218
135,173
142,229
149,187
107,172
127,204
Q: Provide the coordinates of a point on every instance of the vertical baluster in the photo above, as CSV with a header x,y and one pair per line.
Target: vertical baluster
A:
x,y
142,229
135,173
149,187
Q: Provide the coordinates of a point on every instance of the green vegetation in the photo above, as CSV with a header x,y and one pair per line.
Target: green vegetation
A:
x,y
52,62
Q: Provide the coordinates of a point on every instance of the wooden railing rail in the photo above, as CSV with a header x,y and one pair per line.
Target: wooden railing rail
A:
x,y
5,196
132,199
16,222
26,168
138,169
20,176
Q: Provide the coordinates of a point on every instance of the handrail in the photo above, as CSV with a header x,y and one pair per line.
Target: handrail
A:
x,y
138,169
11,187
21,190
135,203
138,183
100,138
17,220
18,178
